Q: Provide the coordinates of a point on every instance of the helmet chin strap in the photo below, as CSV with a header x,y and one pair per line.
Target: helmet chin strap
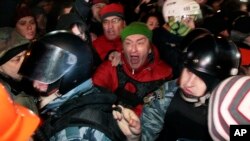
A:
x,y
198,101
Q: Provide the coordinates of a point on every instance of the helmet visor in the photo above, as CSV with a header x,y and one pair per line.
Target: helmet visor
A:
x,y
47,63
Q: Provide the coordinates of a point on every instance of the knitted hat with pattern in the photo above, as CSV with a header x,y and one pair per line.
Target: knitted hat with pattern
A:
x,y
23,12
229,105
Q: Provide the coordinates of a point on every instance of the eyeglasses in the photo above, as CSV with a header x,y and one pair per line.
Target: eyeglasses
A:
x,y
112,21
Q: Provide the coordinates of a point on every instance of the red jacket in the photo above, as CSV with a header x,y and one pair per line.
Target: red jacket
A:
x,y
106,75
245,56
104,46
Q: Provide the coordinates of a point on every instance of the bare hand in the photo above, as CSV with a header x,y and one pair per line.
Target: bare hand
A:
x,y
128,122
115,58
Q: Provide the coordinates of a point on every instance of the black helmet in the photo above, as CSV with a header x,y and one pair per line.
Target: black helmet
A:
x,y
61,57
191,36
212,55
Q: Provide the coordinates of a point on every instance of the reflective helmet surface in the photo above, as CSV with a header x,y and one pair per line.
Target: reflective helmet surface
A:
x,y
212,55
193,35
59,55
180,8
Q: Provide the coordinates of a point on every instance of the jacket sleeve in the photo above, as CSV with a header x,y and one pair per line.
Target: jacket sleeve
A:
x,y
105,76
154,111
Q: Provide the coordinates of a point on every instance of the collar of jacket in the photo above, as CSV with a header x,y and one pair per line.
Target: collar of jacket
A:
x,y
13,85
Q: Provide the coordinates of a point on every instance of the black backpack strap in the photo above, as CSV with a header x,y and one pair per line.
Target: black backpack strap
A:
x,y
129,99
94,98
93,110
93,118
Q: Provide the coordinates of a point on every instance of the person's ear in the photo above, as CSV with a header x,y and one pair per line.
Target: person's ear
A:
x,y
150,51
150,48
124,23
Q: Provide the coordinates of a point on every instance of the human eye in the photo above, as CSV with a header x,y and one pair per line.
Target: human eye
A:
x,y
141,42
151,24
127,43
32,22
105,22
22,23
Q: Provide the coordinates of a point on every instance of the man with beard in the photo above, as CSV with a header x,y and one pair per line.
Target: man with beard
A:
x,y
140,70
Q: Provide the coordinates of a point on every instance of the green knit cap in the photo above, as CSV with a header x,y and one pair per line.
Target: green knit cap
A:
x,y
136,28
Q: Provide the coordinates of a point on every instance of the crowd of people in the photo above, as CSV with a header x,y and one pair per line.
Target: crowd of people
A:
x,y
114,70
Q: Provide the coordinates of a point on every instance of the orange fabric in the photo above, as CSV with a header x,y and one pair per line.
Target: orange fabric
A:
x,y
17,123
